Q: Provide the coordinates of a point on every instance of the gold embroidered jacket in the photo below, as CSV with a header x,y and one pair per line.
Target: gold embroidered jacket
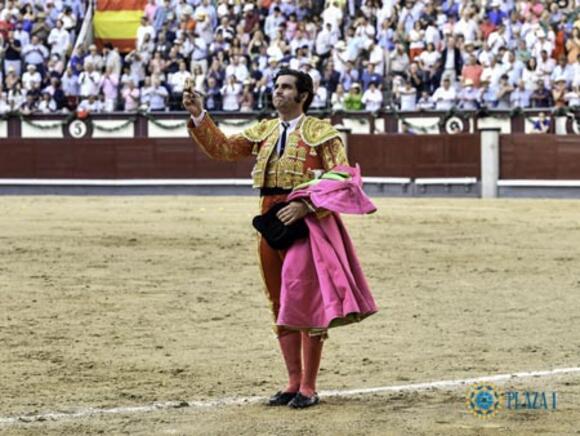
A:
x,y
312,148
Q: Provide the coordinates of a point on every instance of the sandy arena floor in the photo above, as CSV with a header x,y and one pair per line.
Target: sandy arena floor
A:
x,y
127,301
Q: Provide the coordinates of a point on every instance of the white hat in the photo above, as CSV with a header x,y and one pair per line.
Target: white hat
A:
x,y
340,45
468,82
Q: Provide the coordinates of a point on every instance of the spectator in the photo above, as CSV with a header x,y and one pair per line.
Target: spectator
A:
x,y
541,97
559,92
573,97
31,78
47,104
156,96
504,93
521,97
469,96
89,81
399,60
353,100
487,94
530,75
231,94
112,59
12,52
143,29
338,98
59,40
542,124
247,98
131,97
35,54
91,105
320,100
408,97
445,96
177,83
110,89
28,106
472,71
94,58
451,60
213,95
369,75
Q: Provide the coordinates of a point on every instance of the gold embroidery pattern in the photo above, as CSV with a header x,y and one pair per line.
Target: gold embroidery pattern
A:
x,y
333,154
215,144
260,131
316,132
264,163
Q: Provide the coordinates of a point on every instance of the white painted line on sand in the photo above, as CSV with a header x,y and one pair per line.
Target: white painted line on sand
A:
x,y
240,401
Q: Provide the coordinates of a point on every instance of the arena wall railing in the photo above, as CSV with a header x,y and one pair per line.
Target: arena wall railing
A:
x,y
152,153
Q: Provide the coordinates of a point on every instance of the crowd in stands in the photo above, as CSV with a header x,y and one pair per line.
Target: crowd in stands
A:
x,y
361,54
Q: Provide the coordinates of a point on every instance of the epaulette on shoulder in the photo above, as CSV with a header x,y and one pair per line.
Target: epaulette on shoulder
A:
x,y
316,131
260,131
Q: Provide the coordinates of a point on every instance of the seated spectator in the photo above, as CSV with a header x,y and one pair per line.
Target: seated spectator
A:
x,y
573,97
29,106
92,104
320,100
337,99
521,97
407,97
47,104
445,96
504,93
425,103
16,97
56,93
487,94
11,79
542,124
541,97
353,100
31,78
559,92
4,103
468,96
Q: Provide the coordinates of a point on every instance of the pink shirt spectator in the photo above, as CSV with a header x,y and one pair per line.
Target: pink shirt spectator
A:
x,y
131,97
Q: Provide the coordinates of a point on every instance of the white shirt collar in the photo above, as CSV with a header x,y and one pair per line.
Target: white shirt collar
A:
x,y
293,123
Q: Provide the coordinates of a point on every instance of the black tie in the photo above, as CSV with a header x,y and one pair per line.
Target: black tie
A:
x,y
285,126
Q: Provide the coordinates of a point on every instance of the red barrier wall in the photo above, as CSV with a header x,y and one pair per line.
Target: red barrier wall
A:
x,y
416,155
539,157
522,157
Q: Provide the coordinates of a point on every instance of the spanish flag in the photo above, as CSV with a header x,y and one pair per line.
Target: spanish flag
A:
x,y
116,21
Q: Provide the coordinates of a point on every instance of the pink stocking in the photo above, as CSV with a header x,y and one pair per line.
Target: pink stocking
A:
x,y
312,353
290,345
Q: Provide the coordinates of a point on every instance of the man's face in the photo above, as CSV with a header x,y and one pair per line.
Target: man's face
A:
x,y
285,94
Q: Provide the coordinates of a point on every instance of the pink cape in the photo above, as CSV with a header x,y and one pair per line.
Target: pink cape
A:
x,y
323,284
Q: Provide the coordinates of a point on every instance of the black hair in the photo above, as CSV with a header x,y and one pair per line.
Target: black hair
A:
x,y
303,85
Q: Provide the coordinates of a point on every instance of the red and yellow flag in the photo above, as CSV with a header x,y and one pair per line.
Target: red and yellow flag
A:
x,y
116,21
